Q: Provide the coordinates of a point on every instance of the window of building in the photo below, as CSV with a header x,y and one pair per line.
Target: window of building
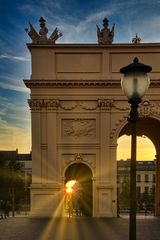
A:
x,y
146,178
118,179
138,191
154,178
125,178
153,189
146,189
138,177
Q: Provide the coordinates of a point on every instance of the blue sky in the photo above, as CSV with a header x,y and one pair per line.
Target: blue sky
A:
x,y
77,20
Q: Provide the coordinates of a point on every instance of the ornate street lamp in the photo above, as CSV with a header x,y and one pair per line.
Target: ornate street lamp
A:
x,y
134,83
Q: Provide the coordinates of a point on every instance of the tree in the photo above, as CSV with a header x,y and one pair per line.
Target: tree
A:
x,y
124,195
11,179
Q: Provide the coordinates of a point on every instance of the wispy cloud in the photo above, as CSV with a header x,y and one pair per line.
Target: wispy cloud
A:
x,y
53,4
81,31
13,83
12,137
11,57
92,18
2,113
14,125
13,87
74,29
152,25
14,110
146,29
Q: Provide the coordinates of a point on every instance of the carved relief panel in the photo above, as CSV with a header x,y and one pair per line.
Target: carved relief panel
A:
x,y
78,128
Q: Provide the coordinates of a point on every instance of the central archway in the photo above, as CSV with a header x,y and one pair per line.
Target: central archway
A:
x,y
83,175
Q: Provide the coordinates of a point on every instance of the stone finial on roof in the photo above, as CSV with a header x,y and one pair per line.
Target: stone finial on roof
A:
x,y
136,39
41,37
43,30
55,35
105,35
32,33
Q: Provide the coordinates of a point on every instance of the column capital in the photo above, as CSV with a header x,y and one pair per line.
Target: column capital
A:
x,y
49,104
35,104
105,104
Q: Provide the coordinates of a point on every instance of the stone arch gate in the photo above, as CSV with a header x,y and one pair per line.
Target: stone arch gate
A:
x,y
77,113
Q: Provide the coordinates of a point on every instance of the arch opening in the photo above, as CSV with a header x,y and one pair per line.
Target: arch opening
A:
x,y
147,158
79,201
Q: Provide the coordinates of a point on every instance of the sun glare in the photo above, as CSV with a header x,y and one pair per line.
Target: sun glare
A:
x,y
69,186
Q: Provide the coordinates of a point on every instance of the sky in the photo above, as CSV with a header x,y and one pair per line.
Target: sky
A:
x,y
77,20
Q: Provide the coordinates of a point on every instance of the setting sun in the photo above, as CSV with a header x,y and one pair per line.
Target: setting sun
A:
x,y
69,186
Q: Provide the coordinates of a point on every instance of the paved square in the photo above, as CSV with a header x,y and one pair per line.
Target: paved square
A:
x,y
25,228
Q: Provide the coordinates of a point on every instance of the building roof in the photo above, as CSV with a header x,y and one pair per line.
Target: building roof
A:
x,y
124,165
8,155
24,157
14,155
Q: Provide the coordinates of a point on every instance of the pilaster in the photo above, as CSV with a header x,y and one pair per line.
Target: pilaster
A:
x,y
44,144
105,108
35,106
52,164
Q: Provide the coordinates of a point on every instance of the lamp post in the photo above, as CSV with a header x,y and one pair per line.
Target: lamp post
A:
x,y
134,83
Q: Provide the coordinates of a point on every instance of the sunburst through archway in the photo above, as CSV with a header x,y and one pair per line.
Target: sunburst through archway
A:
x,y
69,186
78,199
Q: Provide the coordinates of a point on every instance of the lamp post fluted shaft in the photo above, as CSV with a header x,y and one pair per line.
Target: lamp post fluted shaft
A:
x,y
133,118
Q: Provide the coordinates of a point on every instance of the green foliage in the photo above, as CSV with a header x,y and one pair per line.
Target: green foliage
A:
x,y
124,195
147,197
11,178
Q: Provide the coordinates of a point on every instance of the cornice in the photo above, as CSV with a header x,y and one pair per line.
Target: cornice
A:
x,y
79,83
155,83
71,83
92,45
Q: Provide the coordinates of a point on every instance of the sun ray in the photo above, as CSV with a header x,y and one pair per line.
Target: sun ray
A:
x,y
48,229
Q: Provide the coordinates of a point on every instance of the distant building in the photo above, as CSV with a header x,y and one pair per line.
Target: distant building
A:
x,y
8,155
25,159
145,175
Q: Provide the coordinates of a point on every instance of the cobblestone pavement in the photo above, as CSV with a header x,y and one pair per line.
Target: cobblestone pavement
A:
x,y
25,228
